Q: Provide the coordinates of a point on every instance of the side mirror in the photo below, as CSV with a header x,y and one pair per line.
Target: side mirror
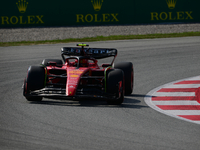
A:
x,y
51,63
106,65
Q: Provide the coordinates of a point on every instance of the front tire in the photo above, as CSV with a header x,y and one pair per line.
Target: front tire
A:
x,y
114,77
127,68
35,80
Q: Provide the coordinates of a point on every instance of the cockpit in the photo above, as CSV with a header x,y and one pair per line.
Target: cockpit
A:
x,y
81,61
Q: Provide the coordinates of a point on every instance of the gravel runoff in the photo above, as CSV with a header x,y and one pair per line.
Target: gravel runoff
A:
x,y
53,33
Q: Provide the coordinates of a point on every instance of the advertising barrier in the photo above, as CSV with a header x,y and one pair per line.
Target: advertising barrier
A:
x,y
33,13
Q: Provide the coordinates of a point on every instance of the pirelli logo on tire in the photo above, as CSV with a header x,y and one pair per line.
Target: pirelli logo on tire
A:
x,y
22,18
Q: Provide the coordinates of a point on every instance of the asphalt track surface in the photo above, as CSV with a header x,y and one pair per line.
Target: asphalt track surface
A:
x,y
56,124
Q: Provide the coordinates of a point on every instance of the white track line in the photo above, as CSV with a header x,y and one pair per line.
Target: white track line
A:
x,y
174,94
184,112
184,86
175,103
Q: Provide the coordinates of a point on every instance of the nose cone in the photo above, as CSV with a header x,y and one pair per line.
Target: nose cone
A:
x,y
73,78
71,90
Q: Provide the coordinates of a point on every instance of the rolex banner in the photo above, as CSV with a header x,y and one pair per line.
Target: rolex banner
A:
x,y
33,13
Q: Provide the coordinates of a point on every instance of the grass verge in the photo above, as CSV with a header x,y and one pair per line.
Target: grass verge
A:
x,y
102,38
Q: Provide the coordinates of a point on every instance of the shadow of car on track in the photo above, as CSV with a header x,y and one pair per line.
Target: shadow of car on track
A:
x,y
130,101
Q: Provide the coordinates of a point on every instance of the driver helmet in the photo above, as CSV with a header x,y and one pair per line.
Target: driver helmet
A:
x,y
83,62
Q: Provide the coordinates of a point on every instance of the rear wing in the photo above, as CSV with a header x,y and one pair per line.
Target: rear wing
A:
x,y
97,53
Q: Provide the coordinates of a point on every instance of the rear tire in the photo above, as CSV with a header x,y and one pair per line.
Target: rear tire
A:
x,y
114,76
127,68
35,80
58,62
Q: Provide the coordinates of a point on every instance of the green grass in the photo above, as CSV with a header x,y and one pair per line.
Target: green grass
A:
x,y
102,38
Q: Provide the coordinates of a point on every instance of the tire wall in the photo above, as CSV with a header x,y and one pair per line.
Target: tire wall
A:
x,y
37,13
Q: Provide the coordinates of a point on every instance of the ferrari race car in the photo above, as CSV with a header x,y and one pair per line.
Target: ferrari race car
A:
x,y
80,76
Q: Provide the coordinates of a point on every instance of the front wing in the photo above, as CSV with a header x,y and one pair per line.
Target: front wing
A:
x,y
60,93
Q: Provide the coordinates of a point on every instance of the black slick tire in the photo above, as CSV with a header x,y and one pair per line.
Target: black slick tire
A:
x,y
114,76
35,80
127,68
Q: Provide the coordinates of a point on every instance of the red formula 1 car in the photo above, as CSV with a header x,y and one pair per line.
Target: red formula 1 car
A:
x,y
80,76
